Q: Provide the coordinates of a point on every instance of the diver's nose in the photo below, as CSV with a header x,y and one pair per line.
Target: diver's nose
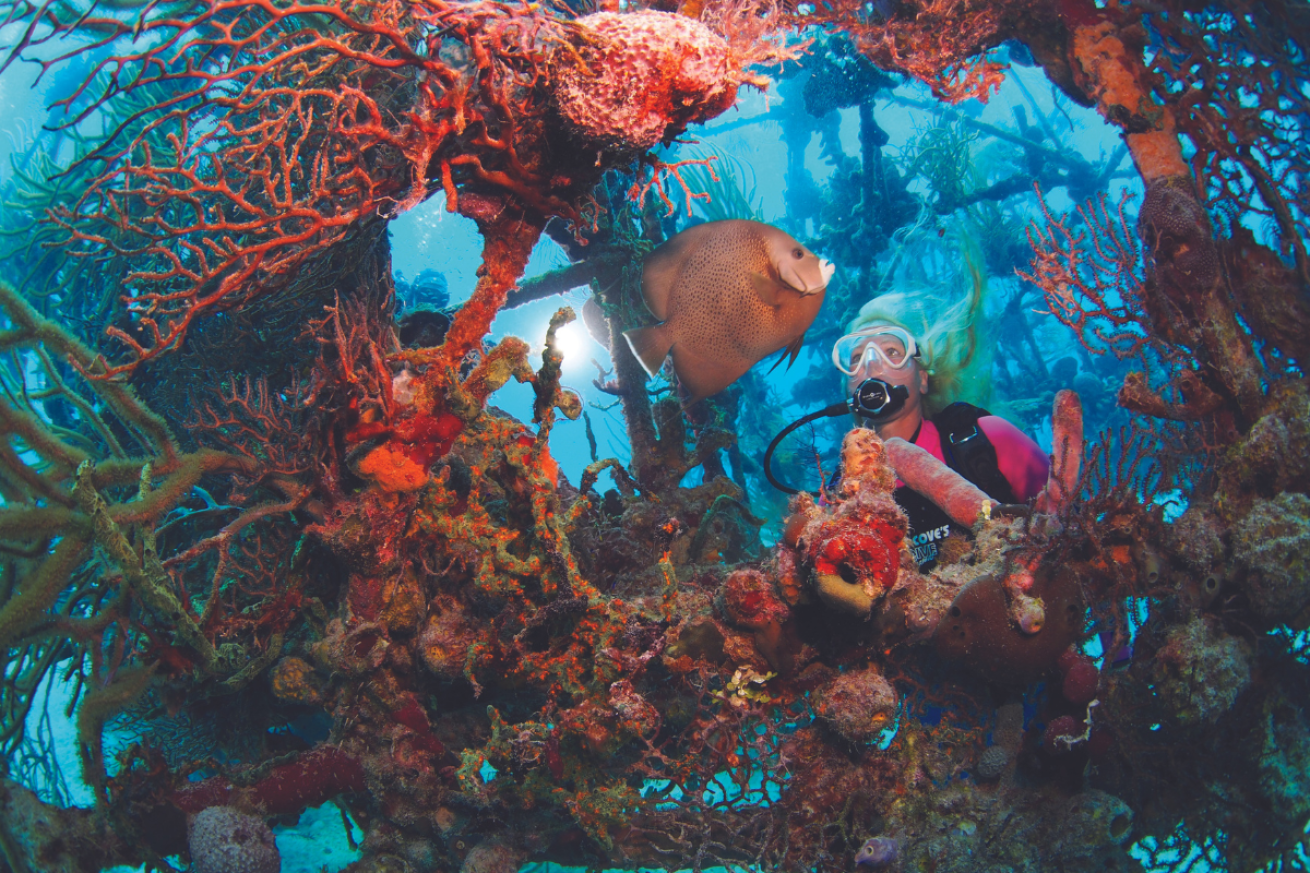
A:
x,y
871,364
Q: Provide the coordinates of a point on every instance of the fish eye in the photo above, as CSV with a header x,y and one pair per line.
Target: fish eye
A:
x,y
797,253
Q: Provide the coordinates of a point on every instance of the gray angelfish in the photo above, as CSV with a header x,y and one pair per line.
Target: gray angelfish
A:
x,y
727,294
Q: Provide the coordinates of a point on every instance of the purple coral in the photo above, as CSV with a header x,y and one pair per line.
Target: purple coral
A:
x,y
223,840
878,853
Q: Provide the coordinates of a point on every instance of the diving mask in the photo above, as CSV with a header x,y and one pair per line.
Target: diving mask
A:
x,y
893,346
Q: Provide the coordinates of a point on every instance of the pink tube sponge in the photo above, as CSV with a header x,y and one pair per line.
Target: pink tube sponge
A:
x,y
952,493
1067,457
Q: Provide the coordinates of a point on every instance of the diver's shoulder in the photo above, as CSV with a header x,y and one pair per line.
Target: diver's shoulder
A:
x,y
1002,431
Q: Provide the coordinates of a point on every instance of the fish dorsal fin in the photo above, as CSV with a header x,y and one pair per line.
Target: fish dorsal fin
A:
x,y
789,353
593,318
663,266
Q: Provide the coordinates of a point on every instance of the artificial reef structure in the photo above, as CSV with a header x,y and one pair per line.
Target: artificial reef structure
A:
x,y
340,574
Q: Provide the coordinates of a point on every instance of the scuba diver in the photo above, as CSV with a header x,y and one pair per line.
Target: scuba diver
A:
x,y
903,385
909,362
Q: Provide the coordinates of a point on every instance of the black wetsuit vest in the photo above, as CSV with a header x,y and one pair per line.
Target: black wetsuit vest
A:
x,y
970,453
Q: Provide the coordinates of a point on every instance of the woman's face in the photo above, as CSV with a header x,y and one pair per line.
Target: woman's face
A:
x,y
885,357
912,376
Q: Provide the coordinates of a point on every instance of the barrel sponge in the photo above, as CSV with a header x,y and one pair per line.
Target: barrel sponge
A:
x,y
857,704
1200,671
641,77
1090,821
223,840
1271,546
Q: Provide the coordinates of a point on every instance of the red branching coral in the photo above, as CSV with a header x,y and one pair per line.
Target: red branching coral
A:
x,y
315,124
1249,153
936,41
286,128
413,562
1091,276
658,181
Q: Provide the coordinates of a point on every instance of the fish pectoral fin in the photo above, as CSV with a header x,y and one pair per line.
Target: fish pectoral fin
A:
x,y
768,290
789,353
650,346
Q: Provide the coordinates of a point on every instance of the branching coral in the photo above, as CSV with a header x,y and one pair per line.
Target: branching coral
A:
x,y
934,41
1249,152
1090,276
290,128
108,478
1186,289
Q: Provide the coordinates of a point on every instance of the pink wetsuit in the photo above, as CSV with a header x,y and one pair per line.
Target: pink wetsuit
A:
x,y
1021,461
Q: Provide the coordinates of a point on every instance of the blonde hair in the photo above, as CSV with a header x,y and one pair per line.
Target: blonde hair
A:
x,y
955,354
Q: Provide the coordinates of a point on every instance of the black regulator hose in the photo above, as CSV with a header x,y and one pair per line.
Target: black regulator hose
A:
x,y
842,408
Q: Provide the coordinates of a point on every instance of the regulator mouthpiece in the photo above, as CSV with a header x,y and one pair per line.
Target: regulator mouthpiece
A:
x,y
877,400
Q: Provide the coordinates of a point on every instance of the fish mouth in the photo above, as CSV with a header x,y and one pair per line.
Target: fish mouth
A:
x,y
826,269
800,285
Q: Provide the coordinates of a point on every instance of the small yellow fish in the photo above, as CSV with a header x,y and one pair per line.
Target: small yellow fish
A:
x,y
728,294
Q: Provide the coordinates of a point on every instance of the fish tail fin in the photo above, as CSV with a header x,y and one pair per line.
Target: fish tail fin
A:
x,y
650,345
